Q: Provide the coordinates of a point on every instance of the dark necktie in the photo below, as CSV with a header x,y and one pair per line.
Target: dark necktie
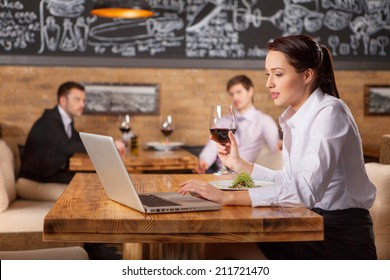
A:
x,y
69,130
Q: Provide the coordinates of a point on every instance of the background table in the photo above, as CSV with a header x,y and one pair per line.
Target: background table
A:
x,y
84,213
143,161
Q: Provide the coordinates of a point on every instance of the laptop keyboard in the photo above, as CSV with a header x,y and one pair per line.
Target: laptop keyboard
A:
x,y
155,201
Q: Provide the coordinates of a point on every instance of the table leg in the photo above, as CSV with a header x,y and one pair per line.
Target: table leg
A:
x,y
176,251
384,153
132,251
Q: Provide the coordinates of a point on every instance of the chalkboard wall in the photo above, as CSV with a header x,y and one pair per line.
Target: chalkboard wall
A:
x,y
192,33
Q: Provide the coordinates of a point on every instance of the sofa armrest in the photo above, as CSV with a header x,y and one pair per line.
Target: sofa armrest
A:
x,y
32,190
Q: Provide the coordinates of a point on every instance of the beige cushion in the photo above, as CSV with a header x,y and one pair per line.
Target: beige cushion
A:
x,y
379,175
7,177
28,189
70,253
24,216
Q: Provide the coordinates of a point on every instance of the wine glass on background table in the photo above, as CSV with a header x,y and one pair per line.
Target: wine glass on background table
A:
x,y
222,120
125,128
167,127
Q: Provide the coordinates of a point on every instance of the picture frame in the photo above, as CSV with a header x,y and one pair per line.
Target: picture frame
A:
x,y
122,98
377,99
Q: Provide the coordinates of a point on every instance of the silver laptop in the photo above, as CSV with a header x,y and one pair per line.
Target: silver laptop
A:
x,y
120,188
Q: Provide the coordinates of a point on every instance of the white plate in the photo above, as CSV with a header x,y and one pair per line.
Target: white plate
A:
x,y
159,146
225,184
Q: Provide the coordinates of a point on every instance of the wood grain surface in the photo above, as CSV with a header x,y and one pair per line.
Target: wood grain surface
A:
x,y
84,213
143,160
385,149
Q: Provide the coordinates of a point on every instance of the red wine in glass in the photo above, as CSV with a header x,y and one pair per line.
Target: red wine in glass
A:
x,y
124,123
167,127
166,131
222,120
124,129
221,134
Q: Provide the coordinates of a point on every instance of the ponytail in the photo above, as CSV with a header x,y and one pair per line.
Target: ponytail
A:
x,y
303,52
326,80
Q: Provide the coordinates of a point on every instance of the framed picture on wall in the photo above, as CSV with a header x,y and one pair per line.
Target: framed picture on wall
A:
x,y
377,100
134,99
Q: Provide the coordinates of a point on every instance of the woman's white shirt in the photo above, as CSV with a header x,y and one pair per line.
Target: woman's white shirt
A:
x,y
323,160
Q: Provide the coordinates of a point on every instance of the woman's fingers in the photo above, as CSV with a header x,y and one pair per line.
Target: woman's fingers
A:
x,y
214,139
191,188
223,149
189,182
233,142
201,189
189,185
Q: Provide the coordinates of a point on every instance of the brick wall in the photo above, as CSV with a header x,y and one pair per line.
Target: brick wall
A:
x,y
186,93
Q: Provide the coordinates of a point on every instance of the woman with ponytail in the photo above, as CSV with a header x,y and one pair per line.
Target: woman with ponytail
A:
x,y
322,153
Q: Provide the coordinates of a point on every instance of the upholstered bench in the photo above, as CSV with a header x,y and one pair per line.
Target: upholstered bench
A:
x,y
21,219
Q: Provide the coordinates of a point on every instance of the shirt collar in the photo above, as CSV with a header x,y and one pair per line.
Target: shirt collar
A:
x,y
297,119
248,115
66,120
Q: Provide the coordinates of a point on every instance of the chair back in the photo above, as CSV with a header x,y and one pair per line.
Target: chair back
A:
x,y
7,176
379,175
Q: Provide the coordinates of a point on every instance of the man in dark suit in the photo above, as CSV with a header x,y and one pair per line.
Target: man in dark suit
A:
x,y
53,139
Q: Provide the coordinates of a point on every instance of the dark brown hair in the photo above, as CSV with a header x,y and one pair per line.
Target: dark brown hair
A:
x,y
303,52
243,80
65,88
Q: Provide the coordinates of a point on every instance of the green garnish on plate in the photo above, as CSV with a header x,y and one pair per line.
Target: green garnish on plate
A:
x,y
243,180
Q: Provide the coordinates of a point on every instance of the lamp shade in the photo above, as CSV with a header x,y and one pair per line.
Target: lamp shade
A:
x,y
122,9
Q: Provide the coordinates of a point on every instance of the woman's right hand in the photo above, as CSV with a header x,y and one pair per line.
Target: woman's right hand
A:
x,y
228,153
230,156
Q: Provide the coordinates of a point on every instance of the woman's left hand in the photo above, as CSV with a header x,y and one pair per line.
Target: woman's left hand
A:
x,y
204,190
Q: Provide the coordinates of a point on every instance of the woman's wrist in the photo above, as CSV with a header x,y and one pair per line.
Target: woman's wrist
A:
x,y
242,165
228,198
236,198
236,165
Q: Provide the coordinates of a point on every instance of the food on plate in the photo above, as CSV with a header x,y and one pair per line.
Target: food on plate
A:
x,y
243,180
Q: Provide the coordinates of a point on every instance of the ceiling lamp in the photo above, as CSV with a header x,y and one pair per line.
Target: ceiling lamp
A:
x,y
122,9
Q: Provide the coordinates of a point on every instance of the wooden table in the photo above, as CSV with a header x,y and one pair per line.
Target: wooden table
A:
x,y
371,150
385,149
143,160
84,213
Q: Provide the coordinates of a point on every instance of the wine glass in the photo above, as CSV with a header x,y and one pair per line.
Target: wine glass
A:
x,y
333,42
124,127
167,127
354,43
383,41
222,120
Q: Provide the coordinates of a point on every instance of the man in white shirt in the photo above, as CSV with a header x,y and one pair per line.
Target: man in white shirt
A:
x,y
254,128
